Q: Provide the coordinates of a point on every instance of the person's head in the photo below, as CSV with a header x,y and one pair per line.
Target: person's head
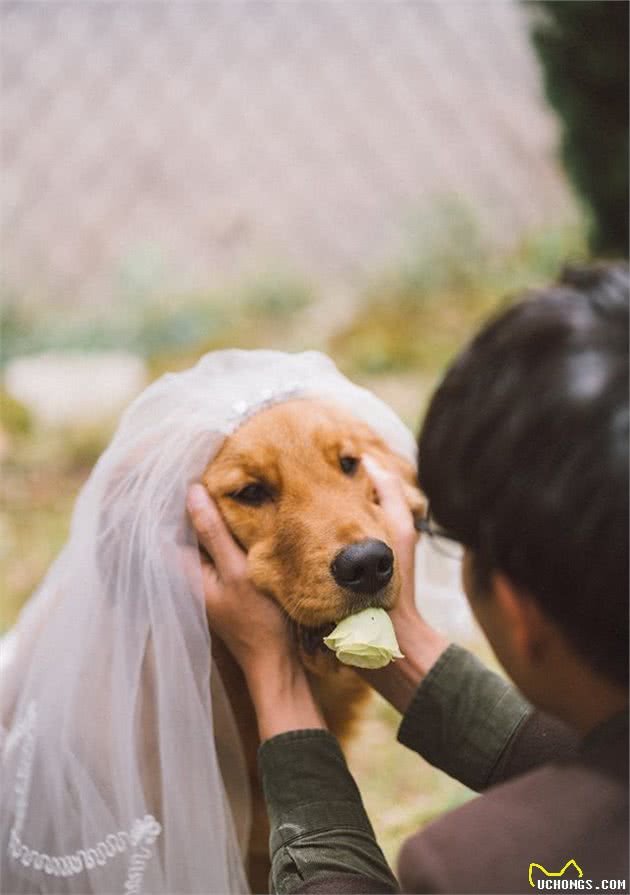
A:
x,y
524,460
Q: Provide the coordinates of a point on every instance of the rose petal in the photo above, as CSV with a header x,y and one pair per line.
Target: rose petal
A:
x,y
365,639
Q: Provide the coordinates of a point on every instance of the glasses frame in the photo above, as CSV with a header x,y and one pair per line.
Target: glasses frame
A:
x,y
436,534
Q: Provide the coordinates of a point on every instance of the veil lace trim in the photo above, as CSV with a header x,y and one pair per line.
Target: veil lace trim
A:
x,y
140,837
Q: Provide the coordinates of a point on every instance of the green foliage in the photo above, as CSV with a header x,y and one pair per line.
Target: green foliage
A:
x,y
416,316
583,47
14,417
142,330
139,323
275,296
446,251
83,445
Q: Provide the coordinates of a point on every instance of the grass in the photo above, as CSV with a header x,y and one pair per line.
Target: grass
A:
x,y
401,792
42,475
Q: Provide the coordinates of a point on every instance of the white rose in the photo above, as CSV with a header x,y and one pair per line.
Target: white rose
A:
x,y
366,640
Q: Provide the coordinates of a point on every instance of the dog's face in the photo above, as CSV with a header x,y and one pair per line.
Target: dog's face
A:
x,y
293,491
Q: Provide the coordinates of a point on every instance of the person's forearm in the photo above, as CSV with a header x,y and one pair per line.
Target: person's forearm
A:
x,y
312,800
475,726
282,698
421,646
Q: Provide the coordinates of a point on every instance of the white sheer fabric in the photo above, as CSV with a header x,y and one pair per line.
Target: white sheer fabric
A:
x,y
122,767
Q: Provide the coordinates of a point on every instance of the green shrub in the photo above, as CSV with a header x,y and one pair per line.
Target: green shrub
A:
x,y
583,48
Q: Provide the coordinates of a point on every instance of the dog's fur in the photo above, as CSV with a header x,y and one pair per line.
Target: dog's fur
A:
x,y
313,509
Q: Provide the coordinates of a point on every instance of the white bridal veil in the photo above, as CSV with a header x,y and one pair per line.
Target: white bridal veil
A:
x,y
121,764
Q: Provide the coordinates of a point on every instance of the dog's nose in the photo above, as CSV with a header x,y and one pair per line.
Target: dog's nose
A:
x,y
364,567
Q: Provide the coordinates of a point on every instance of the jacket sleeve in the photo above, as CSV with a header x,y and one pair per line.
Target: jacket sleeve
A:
x,y
321,838
464,719
472,724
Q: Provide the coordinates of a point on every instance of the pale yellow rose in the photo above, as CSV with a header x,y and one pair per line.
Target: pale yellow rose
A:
x,y
366,640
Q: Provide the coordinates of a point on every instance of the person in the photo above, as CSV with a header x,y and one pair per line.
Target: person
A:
x,y
523,456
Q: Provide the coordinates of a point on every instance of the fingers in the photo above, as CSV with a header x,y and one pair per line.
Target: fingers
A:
x,y
213,534
389,488
391,497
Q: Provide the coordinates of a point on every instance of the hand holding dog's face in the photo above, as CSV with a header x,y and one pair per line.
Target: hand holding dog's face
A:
x,y
294,492
242,617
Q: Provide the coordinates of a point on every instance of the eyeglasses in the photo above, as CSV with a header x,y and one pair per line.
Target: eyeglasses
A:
x,y
442,542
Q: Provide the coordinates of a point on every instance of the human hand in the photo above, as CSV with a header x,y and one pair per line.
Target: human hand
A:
x,y
251,625
420,644
391,498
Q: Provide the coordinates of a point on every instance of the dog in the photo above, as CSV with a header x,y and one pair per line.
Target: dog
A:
x,y
291,487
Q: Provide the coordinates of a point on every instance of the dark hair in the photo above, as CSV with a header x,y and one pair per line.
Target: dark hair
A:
x,y
524,456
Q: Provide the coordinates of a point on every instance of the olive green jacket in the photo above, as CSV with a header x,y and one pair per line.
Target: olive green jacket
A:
x,y
464,719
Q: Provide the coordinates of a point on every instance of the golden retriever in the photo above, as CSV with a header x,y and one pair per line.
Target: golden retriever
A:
x,y
290,484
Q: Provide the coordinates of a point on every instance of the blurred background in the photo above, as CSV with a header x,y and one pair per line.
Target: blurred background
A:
x,y
370,179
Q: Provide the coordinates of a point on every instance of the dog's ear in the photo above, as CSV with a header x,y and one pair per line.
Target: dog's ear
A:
x,y
393,462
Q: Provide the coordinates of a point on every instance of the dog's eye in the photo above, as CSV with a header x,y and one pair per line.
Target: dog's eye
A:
x,y
253,495
348,464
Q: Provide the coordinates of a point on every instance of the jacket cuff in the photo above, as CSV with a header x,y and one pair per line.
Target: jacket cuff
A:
x,y
462,717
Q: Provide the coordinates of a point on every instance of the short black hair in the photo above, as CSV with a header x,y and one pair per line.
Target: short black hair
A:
x,y
523,455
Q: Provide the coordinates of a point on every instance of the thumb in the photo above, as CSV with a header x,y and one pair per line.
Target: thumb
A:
x,y
213,534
